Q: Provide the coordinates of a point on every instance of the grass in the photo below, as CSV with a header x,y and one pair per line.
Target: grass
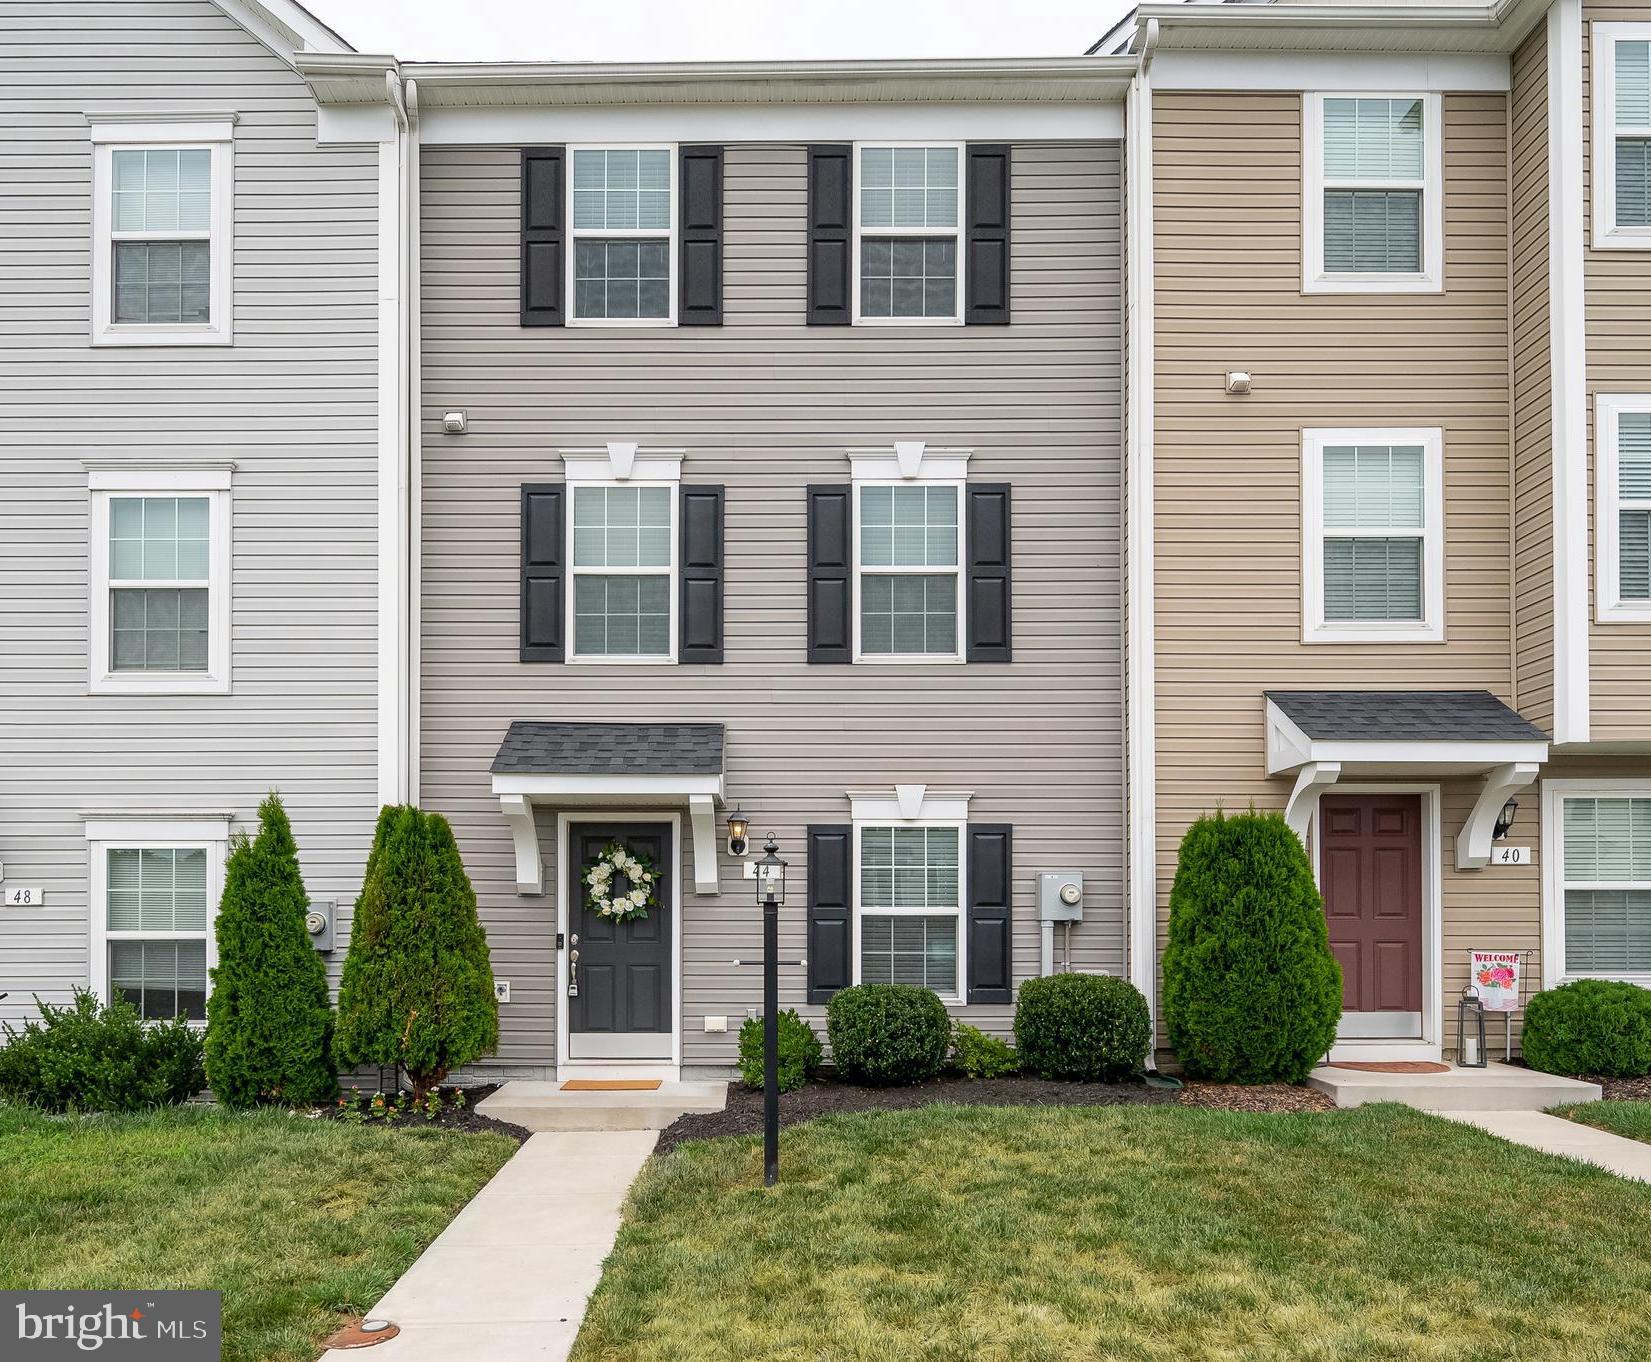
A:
x,y
1629,1119
296,1221
1138,1233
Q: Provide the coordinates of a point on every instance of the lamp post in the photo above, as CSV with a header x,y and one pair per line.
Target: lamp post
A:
x,y
771,894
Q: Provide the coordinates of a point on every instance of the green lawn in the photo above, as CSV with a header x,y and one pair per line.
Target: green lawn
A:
x,y
1630,1119
296,1221
1113,1234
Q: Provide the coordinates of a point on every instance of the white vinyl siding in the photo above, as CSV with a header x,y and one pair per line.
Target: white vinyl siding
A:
x,y
1373,556
1622,135
910,906
1373,211
908,210
1622,444
623,235
1607,886
909,565
623,571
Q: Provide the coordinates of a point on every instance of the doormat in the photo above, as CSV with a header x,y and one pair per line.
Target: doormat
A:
x,y
1398,1066
611,1085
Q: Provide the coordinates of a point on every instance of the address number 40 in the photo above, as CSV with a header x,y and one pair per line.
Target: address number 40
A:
x,y
1510,855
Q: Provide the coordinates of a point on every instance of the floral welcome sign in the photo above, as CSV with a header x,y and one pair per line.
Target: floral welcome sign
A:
x,y
1494,979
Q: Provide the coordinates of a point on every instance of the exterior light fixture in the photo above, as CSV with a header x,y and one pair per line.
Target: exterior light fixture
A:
x,y
770,894
1504,820
738,826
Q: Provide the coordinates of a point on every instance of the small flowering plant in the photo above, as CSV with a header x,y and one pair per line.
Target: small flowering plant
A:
x,y
621,884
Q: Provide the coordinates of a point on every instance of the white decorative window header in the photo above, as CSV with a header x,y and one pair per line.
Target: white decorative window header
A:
x,y
622,461
910,804
909,461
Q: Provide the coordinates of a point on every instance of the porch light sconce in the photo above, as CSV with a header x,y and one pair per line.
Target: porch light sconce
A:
x,y
1238,382
454,422
738,826
1504,820
1470,1031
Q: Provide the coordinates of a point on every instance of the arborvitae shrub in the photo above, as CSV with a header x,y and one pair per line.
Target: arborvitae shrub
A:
x,y
269,1024
800,1051
418,984
1090,1027
886,1034
1590,1026
1251,991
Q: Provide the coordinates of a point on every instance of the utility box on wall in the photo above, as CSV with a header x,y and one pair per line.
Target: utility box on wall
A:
x,y
318,923
1060,896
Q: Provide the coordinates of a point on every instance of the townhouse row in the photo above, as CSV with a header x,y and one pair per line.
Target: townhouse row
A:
x,y
969,472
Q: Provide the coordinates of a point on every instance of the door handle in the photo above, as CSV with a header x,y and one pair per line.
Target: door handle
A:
x,y
573,969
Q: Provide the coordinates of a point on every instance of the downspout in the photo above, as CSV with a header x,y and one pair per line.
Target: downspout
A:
x,y
415,427
400,541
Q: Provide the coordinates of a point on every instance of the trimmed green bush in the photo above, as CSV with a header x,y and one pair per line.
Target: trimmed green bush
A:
x,y
268,1023
1090,1027
1590,1026
800,1051
888,1034
977,1055
1251,991
86,1057
418,983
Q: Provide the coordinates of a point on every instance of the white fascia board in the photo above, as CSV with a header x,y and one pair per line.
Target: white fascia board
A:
x,y
572,787
1419,755
883,807
1457,72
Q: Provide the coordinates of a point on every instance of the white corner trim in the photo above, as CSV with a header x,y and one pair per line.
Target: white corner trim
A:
x,y
909,804
396,455
1473,843
1606,235
1567,359
1609,606
909,461
621,461
524,838
131,829
1315,778
702,820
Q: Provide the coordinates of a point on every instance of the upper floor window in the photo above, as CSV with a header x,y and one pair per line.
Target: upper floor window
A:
x,y
1622,134
624,235
1373,553
1372,200
909,560
908,205
624,572
159,609
161,225
1622,516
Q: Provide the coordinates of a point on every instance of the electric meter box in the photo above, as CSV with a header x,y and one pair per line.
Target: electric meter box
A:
x,y
1060,896
318,922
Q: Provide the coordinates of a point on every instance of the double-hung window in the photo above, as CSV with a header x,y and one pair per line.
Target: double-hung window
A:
x,y
1372,200
1601,848
624,576
1621,107
1622,497
159,608
909,555
909,894
161,229
1373,551
908,205
624,235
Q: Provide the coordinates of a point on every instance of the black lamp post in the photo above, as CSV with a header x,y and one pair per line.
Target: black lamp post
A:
x,y
771,894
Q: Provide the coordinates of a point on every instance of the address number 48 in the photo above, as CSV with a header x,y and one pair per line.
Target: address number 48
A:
x,y
24,896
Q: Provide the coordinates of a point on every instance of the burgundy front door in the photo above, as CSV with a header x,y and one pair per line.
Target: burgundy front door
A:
x,y
1370,869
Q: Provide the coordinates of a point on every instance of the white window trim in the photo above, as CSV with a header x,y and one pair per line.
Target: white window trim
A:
x,y
1604,233
186,832
1554,795
1315,628
958,996
958,654
217,136
1314,277
213,483
1609,606
956,319
667,234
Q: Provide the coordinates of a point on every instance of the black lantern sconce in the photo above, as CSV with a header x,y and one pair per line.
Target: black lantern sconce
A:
x,y
1504,820
739,826
1470,1031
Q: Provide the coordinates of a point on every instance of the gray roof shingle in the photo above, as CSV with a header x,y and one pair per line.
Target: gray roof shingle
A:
x,y
1405,715
533,748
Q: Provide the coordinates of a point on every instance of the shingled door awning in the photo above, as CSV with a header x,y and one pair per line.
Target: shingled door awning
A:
x,y
1324,736
570,765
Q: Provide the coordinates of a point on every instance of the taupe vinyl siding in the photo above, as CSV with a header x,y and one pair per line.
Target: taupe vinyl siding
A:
x,y
1228,519
766,405
292,403
1618,287
1532,385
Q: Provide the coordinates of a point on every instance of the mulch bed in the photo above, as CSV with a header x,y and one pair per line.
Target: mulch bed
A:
x,y
1625,1089
450,1117
743,1114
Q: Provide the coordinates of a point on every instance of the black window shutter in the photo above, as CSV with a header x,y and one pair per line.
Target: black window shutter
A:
x,y
543,237
830,573
830,910
701,623
830,228
699,183
990,582
542,536
991,898
988,236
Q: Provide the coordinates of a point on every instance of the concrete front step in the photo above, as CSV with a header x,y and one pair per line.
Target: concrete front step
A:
x,y
542,1106
1496,1087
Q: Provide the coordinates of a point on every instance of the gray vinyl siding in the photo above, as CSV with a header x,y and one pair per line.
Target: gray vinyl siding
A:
x,y
292,402
766,405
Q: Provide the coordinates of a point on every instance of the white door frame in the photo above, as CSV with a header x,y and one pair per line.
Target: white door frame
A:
x,y
1429,1046
667,1069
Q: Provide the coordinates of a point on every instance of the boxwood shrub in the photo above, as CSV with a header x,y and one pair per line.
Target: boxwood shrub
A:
x,y
1091,1027
978,1055
887,1034
800,1051
1590,1026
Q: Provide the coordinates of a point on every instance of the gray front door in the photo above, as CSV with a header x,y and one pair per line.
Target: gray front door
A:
x,y
623,1007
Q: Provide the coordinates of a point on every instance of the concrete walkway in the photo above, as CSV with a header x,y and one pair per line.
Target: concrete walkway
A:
x,y
1567,1139
508,1280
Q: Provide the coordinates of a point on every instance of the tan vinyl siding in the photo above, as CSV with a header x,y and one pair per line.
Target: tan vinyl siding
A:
x,y
292,402
1618,287
1228,523
766,405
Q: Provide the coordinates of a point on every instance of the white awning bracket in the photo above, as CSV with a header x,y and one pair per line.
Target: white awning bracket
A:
x,y
702,819
1473,843
524,834
1315,778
